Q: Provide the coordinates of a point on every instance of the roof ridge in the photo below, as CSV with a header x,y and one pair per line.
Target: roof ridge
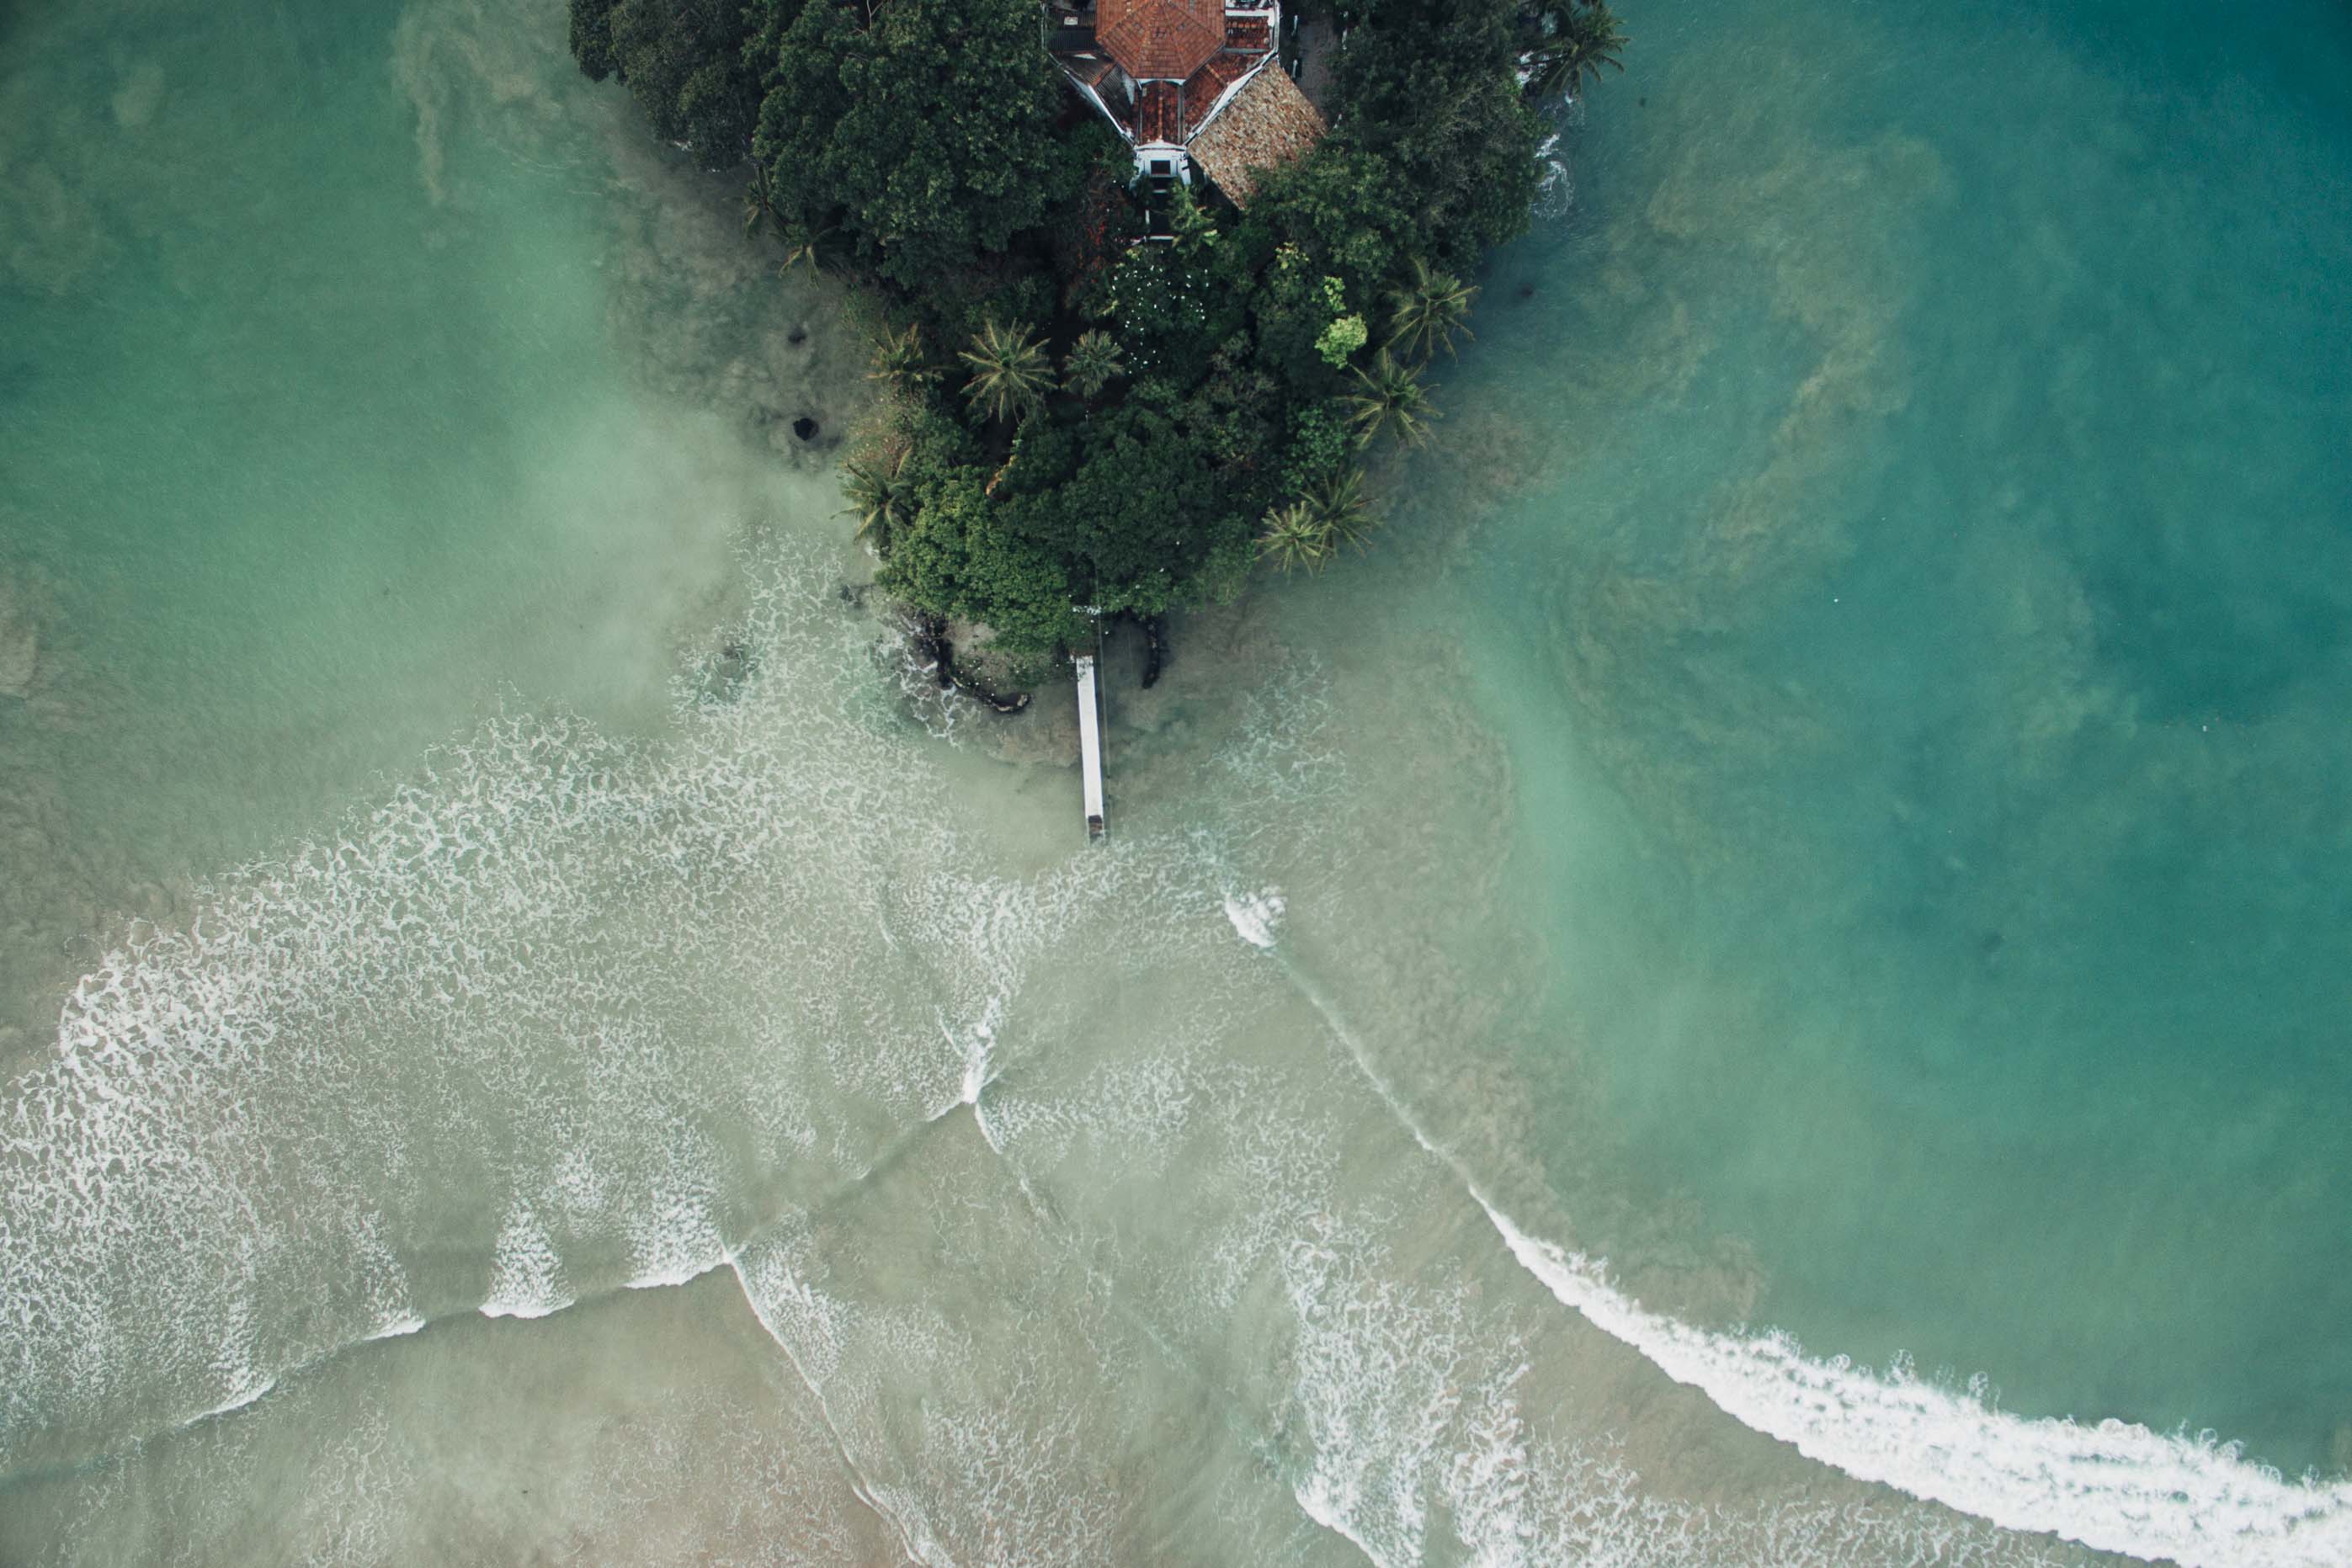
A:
x,y
1161,40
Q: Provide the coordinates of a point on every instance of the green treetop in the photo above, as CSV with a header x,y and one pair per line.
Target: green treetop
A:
x,y
922,129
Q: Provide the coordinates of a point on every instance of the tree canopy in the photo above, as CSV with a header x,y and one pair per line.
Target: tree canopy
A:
x,y
923,132
1431,89
683,61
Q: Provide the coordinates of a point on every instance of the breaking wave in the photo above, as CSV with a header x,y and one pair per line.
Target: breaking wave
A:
x,y
2117,1486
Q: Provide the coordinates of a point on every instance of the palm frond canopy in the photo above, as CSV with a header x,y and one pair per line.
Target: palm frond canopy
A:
x,y
1389,396
882,499
1092,364
1343,512
1428,310
1293,538
903,360
1590,37
1010,371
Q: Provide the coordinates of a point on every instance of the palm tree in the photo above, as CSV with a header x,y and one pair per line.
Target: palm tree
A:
x,y
1341,512
1010,371
1391,396
1293,538
1590,37
881,500
901,359
1092,364
1428,312
814,247
759,199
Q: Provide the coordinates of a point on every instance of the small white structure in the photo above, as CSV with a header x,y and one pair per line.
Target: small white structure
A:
x,y
1090,728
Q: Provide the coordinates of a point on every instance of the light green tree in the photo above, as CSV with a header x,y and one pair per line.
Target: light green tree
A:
x,y
1339,341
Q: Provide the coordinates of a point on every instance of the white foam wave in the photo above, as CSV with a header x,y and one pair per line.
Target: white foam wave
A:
x,y
1424,1449
673,1229
249,1394
527,1277
400,1328
1556,180
975,1045
539,969
1377,1393
1397,1408
1255,916
2116,1486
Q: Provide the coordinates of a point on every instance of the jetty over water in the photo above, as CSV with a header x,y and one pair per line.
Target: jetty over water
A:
x,y
1091,733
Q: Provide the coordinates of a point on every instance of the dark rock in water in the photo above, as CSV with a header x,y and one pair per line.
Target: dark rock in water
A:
x,y
978,692
930,638
805,427
1155,646
931,642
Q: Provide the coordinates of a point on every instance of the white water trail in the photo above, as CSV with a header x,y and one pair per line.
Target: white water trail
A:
x,y
2116,1486
860,1484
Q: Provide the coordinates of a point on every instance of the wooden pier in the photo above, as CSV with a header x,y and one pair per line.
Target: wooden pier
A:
x,y
1091,736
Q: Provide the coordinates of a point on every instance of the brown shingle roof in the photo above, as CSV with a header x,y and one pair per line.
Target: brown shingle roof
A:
x,y
1268,123
1159,38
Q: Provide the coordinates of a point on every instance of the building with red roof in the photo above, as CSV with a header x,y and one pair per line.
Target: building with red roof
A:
x,y
1164,72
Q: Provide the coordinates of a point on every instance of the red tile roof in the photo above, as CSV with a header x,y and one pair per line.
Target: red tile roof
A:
x,y
1200,93
1160,113
1159,38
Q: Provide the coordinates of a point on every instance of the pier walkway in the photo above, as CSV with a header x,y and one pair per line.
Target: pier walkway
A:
x,y
1091,736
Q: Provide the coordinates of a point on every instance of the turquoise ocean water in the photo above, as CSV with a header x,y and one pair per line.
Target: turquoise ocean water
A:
x,y
1769,961
1946,579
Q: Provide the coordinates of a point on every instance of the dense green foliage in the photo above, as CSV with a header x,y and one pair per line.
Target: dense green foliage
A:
x,y
685,64
1429,88
1074,424
920,133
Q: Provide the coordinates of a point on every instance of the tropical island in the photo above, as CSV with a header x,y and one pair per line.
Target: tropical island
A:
x,y
1142,306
